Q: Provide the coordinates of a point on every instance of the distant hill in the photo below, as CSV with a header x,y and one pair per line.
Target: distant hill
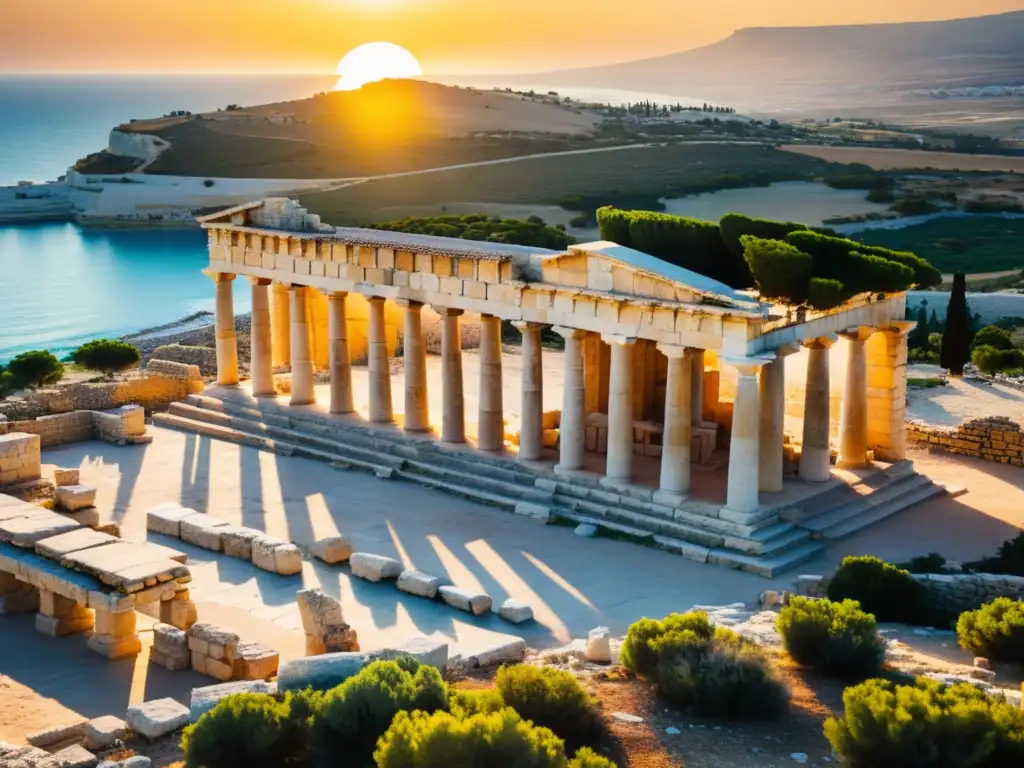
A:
x,y
785,66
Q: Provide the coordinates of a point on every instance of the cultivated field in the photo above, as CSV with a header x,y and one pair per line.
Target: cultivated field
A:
x,y
896,159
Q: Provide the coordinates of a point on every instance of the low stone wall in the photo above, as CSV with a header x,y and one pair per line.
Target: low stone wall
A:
x,y
19,458
202,358
996,438
119,425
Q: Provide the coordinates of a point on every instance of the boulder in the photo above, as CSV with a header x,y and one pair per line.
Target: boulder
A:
x,y
419,583
276,556
426,651
75,756
515,611
320,672
374,567
206,698
156,718
203,531
65,477
475,603
75,497
512,650
599,645
102,732
318,610
335,549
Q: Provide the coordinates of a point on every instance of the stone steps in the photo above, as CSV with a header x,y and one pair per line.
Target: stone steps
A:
x,y
882,510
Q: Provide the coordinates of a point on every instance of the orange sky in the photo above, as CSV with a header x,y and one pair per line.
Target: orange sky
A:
x,y
448,36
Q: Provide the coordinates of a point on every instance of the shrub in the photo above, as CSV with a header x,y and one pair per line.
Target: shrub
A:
x,y
734,226
613,224
35,368
993,336
995,630
781,270
588,758
249,730
838,638
551,698
468,703
869,273
832,259
439,740
106,355
925,725
1009,559
647,641
355,714
933,562
990,360
823,293
881,589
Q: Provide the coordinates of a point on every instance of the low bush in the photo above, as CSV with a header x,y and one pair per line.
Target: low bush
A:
x,y
990,360
933,562
993,336
551,698
106,355
1009,559
823,293
838,638
34,369
881,589
648,641
441,740
476,702
996,630
925,725
355,714
250,730
780,270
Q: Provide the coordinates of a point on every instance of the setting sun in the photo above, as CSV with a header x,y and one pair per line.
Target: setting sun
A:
x,y
370,62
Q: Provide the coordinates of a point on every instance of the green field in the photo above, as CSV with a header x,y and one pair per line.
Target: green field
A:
x,y
958,244
614,177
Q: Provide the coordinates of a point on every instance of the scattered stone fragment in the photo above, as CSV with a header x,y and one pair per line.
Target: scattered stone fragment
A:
x,y
625,717
515,611
60,734
476,603
166,519
374,567
770,599
102,732
586,530
979,673
75,497
599,645
65,477
418,583
513,649
335,549
324,624
254,661
236,541
320,672
672,731
153,719
426,651
982,663
276,556
135,761
798,757
206,698
21,757
75,756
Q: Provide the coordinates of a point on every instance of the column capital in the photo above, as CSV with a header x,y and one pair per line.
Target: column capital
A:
x,y
785,350
568,333
292,287
374,299
821,342
674,351
447,311
525,326
902,327
409,303
219,277
260,280
616,339
857,333
747,366
334,295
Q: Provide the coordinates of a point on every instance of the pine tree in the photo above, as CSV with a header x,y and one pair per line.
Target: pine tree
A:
x,y
933,322
918,338
956,338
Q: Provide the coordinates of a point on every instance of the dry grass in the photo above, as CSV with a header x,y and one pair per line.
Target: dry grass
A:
x,y
896,159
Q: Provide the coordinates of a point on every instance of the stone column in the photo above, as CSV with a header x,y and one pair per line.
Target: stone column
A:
x,y
815,453
260,342
453,417
280,326
887,390
744,447
853,420
531,427
678,430
417,409
302,356
697,388
180,612
491,420
772,397
114,636
340,364
59,616
224,325
379,368
619,465
571,428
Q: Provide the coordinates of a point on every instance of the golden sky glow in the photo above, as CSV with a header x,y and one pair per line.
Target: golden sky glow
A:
x,y
447,36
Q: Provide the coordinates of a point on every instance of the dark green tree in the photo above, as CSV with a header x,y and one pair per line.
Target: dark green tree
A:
x,y
106,355
35,368
918,338
956,338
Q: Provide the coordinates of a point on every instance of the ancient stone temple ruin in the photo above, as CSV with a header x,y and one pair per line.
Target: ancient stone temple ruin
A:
x,y
648,349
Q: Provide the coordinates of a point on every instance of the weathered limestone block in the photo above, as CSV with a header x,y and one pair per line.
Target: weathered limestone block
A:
x,y
19,458
318,610
254,661
202,530
431,653
136,761
236,540
62,735
17,596
276,556
212,640
26,531
166,519
179,612
58,616
515,611
374,567
511,650
419,583
154,719
63,544
170,648
75,497
115,636
475,603
335,549
320,672
75,756
599,645
65,477
206,698
102,732
13,756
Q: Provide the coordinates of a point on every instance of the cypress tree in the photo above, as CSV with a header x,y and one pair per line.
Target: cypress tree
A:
x,y
956,338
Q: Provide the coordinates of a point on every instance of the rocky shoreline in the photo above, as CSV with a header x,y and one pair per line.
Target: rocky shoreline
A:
x,y
195,330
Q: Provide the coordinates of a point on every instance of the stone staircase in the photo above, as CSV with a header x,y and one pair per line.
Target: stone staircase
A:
x,y
777,540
